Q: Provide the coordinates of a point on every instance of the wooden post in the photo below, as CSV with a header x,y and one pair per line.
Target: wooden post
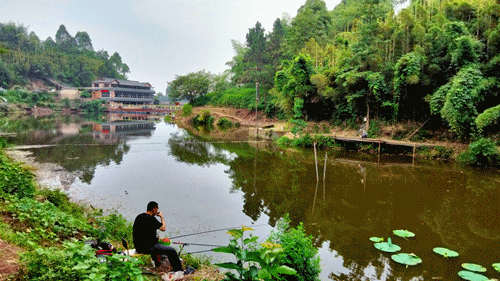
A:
x,y
379,142
414,153
316,161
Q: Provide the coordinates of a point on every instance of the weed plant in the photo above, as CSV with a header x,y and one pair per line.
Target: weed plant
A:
x,y
77,261
480,153
40,218
299,252
224,123
187,109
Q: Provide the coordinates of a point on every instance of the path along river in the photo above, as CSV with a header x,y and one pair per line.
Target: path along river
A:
x,y
210,185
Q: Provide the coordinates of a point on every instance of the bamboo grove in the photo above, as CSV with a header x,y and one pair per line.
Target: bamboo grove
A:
x,y
433,60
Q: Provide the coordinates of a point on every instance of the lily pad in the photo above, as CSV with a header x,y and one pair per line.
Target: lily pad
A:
x,y
403,233
387,246
496,266
472,276
447,253
408,259
474,267
376,239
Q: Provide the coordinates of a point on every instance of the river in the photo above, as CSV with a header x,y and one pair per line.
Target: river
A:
x,y
342,199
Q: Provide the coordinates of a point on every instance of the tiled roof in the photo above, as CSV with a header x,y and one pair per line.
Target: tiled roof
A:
x,y
122,82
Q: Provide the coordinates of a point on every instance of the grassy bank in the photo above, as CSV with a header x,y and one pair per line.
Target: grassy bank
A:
x,y
431,142
42,234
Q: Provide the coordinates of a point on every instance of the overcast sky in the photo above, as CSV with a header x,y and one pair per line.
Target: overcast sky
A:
x,y
157,39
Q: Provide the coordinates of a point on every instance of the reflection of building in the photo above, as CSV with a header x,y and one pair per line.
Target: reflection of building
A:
x,y
111,130
122,91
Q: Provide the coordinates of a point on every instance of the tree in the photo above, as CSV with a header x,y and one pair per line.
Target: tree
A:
x,y
190,86
64,40
83,41
312,21
456,101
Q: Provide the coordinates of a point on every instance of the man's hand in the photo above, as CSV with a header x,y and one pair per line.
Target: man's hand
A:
x,y
160,214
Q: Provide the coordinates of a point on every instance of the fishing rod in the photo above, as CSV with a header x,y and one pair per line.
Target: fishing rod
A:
x,y
195,244
209,231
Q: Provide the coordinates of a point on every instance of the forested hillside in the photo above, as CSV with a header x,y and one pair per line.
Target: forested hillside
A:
x,y
71,60
434,59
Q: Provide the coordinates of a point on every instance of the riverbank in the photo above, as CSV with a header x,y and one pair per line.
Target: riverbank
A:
x,y
439,145
41,224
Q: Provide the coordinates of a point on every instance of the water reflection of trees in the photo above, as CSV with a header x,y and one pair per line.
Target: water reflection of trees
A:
x,y
446,206
81,153
187,149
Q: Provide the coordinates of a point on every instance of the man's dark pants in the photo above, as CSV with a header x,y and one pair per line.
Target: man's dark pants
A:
x,y
173,258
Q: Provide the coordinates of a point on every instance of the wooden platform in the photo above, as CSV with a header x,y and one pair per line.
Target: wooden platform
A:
x,y
384,141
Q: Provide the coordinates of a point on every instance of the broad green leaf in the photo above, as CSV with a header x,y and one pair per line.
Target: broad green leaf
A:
x,y
223,250
376,239
283,269
407,259
474,267
447,253
496,266
253,256
403,233
81,266
250,240
387,246
228,265
264,274
472,276
236,233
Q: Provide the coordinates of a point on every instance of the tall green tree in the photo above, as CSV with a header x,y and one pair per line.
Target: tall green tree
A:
x,y
189,86
312,21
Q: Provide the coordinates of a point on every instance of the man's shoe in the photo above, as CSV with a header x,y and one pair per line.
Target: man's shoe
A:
x,y
188,270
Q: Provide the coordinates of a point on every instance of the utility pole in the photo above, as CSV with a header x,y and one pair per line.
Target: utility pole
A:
x,y
256,99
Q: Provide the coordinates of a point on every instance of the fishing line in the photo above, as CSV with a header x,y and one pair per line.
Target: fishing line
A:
x,y
196,244
209,231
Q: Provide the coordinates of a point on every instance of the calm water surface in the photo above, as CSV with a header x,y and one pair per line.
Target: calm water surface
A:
x,y
210,185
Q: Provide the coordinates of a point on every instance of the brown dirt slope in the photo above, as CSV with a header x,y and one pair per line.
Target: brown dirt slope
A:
x,y
9,262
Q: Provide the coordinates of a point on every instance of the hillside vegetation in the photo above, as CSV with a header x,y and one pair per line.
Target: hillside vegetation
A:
x,y
71,60
435,61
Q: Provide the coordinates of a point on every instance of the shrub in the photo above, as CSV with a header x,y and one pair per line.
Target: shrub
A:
x,y
3,143
489,117
77,261
224,123
18,181
204,118
298,250
284,141
252,263
85,94
187,109
481,152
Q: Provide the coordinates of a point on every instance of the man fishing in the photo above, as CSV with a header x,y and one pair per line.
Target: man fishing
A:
x,y
146,240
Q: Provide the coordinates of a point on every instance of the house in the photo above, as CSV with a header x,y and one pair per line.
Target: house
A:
x,y
118,91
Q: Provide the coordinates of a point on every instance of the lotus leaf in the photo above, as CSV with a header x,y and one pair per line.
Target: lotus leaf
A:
x,y
387,246
471,276
474,267
376,239
496,266
408,259
403,233
447,253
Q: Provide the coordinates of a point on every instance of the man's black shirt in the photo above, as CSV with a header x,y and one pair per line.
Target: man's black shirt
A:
x,y
144,232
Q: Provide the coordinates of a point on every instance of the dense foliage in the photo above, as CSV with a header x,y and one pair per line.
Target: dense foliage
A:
x,y
68,59
481,152
46,224
299,252
432,59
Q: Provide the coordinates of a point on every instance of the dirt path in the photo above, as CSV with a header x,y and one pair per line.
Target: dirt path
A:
x,y
8,263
